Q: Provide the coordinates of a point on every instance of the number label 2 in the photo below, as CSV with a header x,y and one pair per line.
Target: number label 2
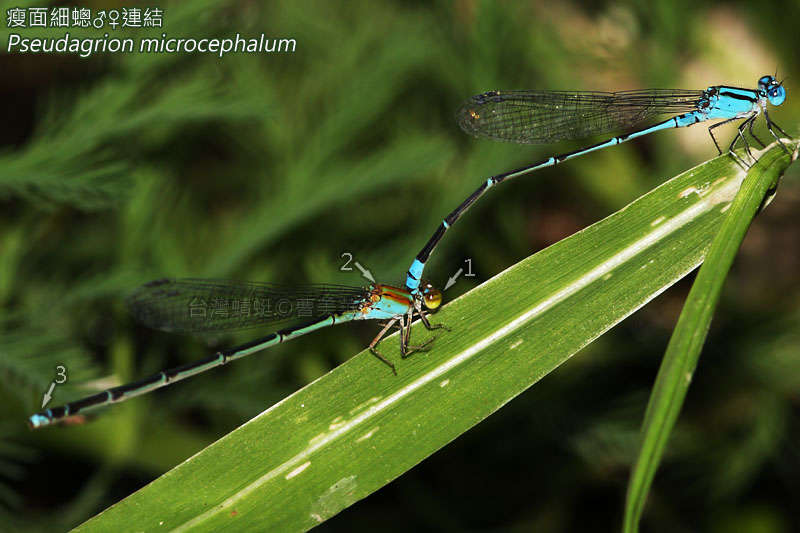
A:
x,y
346,266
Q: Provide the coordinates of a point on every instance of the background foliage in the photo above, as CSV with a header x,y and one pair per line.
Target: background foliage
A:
x,y
120,169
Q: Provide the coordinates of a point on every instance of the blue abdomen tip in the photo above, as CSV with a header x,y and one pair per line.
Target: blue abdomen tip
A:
x,y
37,421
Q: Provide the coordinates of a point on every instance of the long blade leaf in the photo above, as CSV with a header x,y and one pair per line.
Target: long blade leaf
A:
x,y
683,351
358,427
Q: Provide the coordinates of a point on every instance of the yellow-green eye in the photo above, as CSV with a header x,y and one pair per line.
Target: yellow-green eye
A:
x,y
432,297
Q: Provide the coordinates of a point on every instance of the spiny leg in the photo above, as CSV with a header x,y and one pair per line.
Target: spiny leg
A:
x,y
405,322
418,307
771,123
739,161
430,327
753,135
717,125
770,194
769,127
378,338
406,349
740,135
393,323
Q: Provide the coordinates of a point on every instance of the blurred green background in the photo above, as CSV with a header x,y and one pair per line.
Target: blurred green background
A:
x,y
119,169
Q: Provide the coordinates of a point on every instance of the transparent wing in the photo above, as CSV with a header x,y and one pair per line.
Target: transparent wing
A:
x,y
538,117
206,305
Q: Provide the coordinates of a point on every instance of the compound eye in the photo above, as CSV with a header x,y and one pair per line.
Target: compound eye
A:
x,y
776,95
432,298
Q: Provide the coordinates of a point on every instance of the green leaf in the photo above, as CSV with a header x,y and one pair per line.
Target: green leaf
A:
x,y
683,351
358,427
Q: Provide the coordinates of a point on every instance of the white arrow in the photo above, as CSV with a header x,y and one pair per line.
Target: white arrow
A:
x,y
452,281
49,394
364,272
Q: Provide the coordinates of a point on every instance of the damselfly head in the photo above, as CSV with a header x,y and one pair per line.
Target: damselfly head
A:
x,y
431,295
772,89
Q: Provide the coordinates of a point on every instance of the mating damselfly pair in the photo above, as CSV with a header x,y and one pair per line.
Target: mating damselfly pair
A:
x,y
516,116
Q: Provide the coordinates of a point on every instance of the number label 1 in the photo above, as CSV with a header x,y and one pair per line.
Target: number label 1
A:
x,y
469,273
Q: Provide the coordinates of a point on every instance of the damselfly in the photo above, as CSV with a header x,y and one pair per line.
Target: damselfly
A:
x,y
203,305
537,117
